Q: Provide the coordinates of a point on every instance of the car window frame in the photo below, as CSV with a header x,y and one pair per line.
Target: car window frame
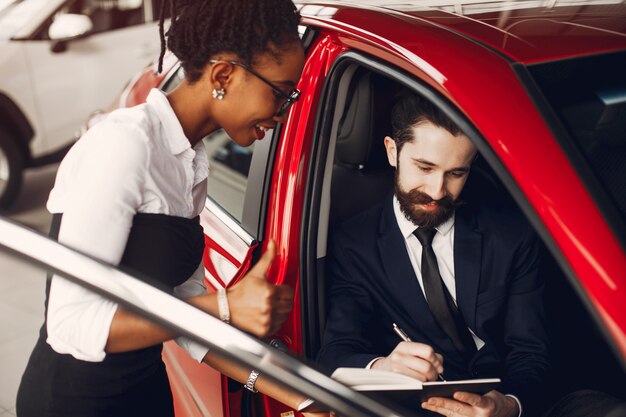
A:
x,y
313,192
255,202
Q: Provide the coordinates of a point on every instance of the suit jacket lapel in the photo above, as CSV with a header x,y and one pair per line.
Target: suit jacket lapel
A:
x,y
401,278
467,263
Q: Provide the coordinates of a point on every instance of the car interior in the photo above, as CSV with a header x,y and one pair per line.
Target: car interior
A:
x,y
353,163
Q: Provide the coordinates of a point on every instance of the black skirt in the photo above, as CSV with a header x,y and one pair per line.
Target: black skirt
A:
x,y
161,250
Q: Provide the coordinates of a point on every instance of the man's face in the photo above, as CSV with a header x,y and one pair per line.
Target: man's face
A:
x,y
431,171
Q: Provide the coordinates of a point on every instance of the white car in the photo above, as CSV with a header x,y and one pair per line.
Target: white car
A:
x,y
60,60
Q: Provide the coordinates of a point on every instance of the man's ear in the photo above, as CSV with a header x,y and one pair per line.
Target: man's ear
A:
x,y
392,151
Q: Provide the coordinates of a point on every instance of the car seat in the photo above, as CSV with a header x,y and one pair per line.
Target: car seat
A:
x,y
362,175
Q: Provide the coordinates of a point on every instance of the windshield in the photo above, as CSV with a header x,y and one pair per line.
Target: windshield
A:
x,y
20,18
16,14
588,95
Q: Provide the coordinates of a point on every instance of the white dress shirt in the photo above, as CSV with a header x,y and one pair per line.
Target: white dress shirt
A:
x,y
443,246
137,160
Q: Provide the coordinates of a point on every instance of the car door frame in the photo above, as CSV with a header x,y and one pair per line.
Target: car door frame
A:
x,y
312,296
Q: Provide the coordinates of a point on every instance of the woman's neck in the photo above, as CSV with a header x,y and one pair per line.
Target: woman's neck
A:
x,y
192,111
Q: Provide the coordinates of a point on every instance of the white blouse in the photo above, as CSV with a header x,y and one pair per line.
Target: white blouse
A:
x,y
136,160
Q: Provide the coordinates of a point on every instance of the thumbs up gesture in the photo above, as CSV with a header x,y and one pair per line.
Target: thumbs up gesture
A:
x,y
257,306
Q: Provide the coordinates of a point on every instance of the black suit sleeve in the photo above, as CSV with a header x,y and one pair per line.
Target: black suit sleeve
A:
x,y
350,312
525,338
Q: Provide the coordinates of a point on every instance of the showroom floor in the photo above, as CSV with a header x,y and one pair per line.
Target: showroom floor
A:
x,y
22,290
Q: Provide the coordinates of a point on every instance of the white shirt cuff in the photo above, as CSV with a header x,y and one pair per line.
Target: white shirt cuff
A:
x,y
369,365
518,403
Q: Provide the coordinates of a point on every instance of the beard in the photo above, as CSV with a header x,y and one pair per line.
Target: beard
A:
x,y
410,202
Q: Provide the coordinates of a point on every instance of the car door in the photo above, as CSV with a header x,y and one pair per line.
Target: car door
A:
x,y
73,78
182,318
255,194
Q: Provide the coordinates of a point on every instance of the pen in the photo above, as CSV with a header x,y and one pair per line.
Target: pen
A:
x,y
406,338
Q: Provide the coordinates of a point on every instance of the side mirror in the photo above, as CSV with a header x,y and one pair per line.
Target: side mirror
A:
x,y
69,26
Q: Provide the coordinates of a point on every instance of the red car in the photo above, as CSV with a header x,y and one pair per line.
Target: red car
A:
x,y
539,87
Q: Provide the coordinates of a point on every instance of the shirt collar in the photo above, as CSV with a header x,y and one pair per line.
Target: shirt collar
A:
x,y
407,227
174,134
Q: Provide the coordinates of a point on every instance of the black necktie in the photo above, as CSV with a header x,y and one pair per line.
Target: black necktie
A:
x,y
439,299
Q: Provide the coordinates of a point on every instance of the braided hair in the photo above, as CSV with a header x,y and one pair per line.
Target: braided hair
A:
x,y
201,28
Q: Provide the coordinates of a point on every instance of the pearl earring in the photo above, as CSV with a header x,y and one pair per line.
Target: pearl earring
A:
x,y
219,94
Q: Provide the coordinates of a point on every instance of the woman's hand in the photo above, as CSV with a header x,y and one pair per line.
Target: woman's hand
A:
x,y
257,306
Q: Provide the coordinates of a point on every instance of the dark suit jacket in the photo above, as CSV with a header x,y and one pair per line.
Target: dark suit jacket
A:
x,y
499,292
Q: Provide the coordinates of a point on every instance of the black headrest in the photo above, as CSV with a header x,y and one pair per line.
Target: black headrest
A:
x,y
364,123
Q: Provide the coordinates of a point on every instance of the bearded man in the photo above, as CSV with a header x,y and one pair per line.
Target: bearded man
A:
x,y
461,281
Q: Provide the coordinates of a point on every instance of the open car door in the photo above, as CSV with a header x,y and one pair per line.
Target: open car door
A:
x,y
182,318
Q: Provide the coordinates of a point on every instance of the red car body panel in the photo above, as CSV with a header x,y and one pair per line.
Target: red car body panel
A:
x,y
193,385
450,53
539,34
286,199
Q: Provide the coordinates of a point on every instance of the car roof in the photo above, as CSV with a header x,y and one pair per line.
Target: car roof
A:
x,y
523,31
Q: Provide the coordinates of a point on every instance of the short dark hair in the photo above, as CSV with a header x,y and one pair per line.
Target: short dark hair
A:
x,y
201,28
409,111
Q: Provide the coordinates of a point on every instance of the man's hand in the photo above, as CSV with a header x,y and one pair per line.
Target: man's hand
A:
x,y
257,306
416,360
492,404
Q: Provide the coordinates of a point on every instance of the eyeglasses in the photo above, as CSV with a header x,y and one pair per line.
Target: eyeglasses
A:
x,y
288,98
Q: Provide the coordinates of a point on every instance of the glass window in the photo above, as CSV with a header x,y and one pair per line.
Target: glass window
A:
x,y
111,14
589,97
229,164
105,15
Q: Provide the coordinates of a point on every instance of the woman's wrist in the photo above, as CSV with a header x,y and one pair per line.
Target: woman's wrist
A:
x,y
206,302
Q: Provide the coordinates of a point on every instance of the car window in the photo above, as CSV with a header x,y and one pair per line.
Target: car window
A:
x,y
593,111
229,164
16,14
105,15
109,15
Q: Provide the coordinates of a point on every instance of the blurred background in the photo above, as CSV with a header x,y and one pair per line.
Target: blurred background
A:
x,y
22,288
60,63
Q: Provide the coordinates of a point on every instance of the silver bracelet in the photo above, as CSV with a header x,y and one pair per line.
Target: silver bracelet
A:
x,y
251,381
222,305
